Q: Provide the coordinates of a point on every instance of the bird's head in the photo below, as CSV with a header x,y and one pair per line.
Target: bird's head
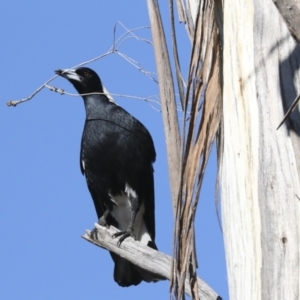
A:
x,y
85,80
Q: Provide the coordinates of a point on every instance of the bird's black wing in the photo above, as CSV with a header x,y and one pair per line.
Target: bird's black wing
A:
x,y
122,118
145,142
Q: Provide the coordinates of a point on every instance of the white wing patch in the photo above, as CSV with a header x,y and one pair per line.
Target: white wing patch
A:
x,y
112,199
122,213
130,192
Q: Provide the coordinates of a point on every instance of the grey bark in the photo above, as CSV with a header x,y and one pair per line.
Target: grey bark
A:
x,y
259,167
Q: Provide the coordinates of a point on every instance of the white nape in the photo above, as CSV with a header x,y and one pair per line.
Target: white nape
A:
x,y
108,95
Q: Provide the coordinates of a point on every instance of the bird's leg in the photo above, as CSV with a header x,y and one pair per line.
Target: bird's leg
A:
x,y
102,221
135,206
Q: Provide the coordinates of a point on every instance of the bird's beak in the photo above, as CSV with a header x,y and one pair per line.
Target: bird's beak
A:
x,y
68,74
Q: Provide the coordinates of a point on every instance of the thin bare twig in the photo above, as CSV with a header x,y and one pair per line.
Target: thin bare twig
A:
x,y
122,37
294,104
114,49
148,99
137,65
16,102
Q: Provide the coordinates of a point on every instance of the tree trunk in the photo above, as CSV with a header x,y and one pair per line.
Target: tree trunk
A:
x,y
259,166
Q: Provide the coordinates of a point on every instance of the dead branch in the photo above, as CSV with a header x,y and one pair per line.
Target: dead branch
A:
x,y
145,257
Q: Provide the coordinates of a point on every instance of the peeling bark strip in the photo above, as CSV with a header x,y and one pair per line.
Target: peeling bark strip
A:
x,y
203,100
167,96
259,172
144,257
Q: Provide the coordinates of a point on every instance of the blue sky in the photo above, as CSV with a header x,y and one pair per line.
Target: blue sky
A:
x,y
45,205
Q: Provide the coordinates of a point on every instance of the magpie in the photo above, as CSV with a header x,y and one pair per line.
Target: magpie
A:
x,y
117,155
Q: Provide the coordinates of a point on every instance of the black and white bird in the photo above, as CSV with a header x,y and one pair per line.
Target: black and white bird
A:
x,y
117,155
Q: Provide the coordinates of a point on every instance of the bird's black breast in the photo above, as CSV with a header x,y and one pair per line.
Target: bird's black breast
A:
x,y
116,150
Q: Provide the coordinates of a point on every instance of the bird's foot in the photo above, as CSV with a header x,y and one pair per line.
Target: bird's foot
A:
x,y
93,234
102,222
123,235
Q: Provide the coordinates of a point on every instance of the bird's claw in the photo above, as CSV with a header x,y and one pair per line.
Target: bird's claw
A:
x,y
101,222
93,234
123,235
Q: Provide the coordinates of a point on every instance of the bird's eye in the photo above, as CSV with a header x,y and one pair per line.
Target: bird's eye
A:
x,y
86,73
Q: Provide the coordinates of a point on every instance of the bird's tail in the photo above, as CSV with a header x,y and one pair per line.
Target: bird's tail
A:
x,y
127,274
